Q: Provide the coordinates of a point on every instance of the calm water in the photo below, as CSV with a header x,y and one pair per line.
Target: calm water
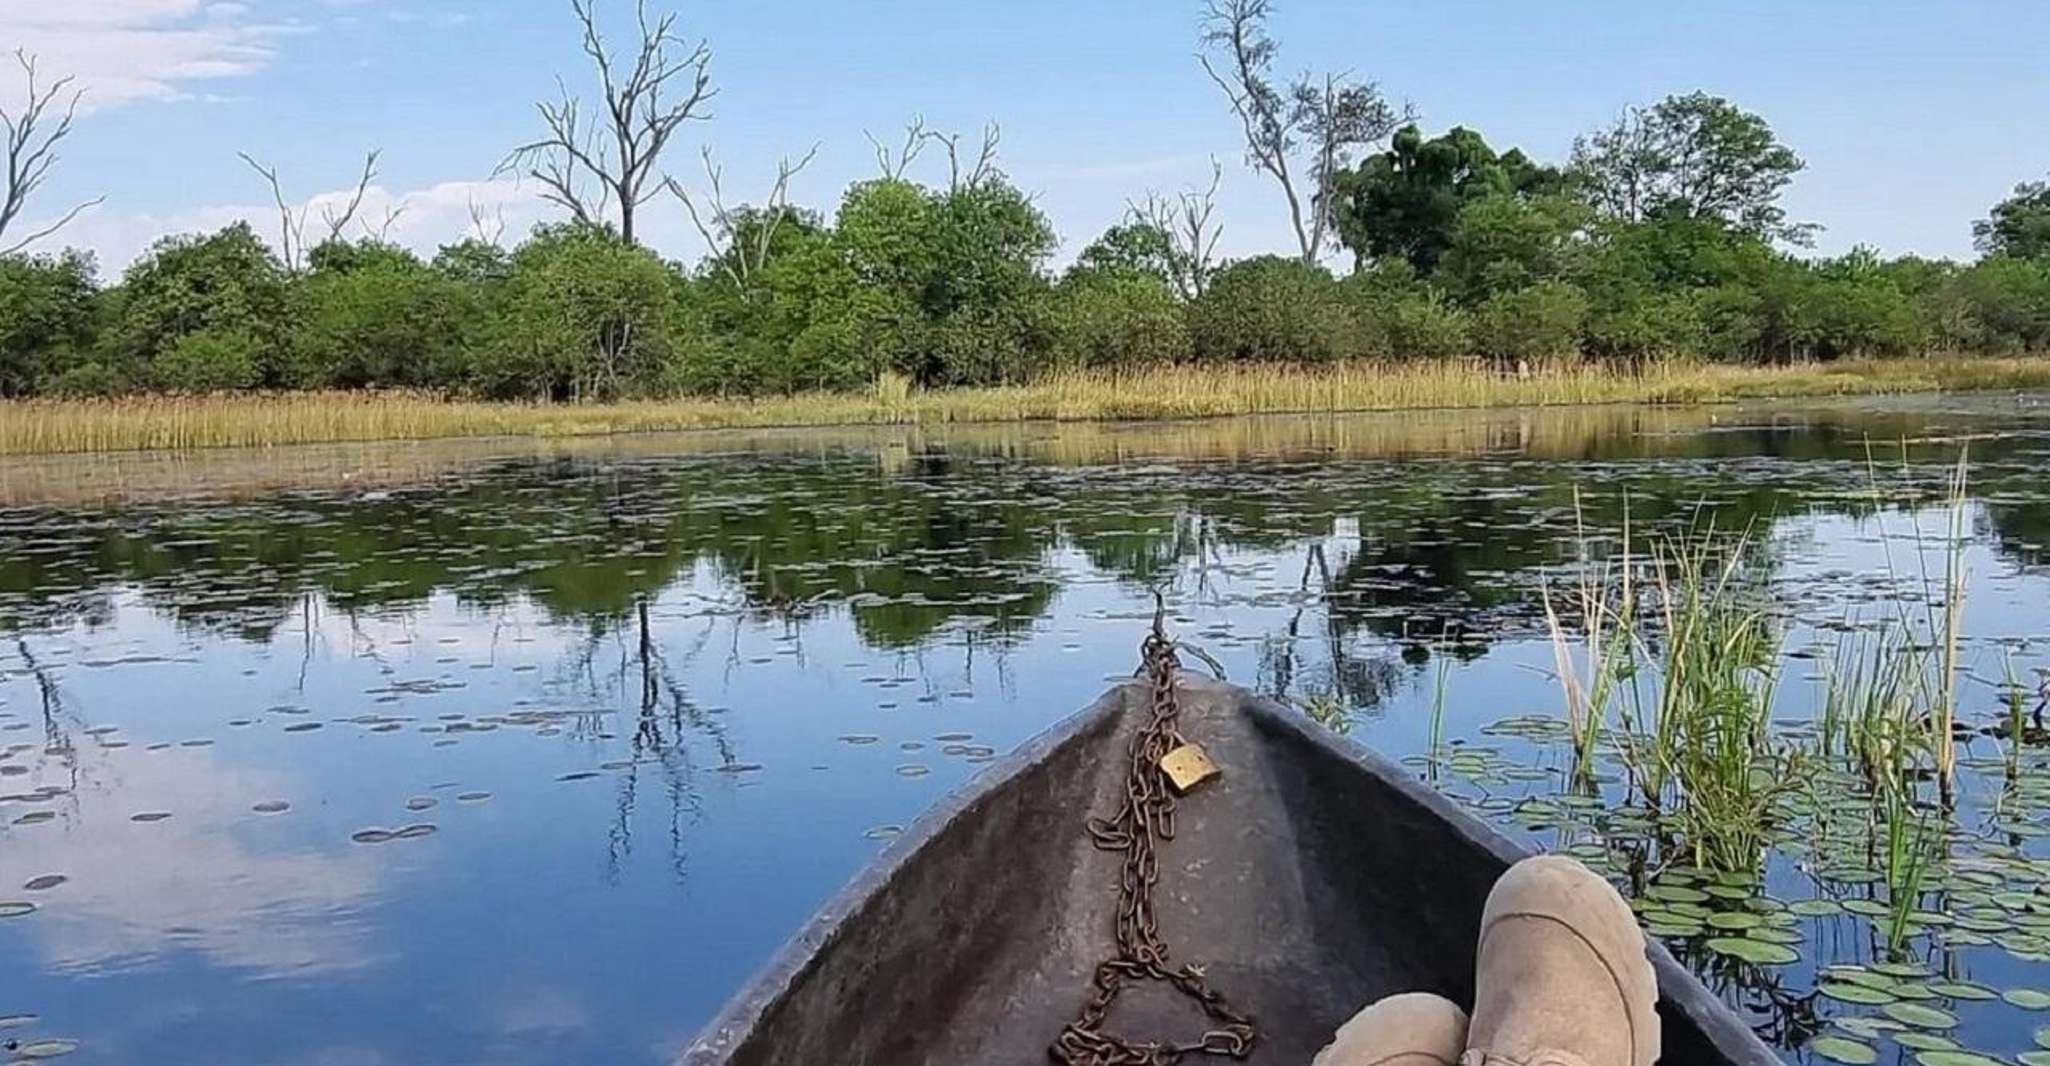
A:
x,y
515,754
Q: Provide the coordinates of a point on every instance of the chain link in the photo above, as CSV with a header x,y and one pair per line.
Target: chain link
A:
x,y
1143,820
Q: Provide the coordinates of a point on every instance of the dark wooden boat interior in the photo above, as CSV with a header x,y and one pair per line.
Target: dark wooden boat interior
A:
x,y
1310,879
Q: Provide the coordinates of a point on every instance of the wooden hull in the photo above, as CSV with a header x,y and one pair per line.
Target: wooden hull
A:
x,y
1309,880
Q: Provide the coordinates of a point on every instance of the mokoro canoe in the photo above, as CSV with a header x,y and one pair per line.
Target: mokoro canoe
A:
x,y
1310,879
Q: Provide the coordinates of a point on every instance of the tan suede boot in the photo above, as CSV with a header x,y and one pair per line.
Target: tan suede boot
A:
x,y
1562,978
1412,1029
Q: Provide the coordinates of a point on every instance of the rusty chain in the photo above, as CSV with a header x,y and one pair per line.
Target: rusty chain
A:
x,y
1143,820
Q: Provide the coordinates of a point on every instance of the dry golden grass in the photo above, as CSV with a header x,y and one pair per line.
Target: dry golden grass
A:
x,y
156,423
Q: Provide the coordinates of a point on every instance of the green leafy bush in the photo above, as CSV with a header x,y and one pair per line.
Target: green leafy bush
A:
x,y
1536,322
583,315
209,361
47,318
227,285
1104,318
1271,308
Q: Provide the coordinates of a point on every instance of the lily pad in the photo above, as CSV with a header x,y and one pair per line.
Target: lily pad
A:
x,y
2027,998
1921,1015
1845,1050
1962,990
15,908
1849,993
46,1049
1757,952
1956,1058
46,881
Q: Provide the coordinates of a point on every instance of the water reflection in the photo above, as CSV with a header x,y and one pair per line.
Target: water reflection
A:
x,y
659,696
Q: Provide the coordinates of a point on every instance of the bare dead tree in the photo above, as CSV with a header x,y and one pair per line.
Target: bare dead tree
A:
x,y
982,170
32,137
489,229
1185,219
292,244
894,162
1302,134
381,233
739,236
648,96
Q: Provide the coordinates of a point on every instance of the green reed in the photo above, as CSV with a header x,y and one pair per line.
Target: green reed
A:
x,y
1911,844
1678,645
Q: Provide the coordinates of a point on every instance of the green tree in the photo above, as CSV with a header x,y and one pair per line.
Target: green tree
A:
x,y
227,285
1535,322
371,314
1407,200
583,316
2011,298
1695,155
1505,241
47,318
1108,317
1129,249
2018,226
1270,308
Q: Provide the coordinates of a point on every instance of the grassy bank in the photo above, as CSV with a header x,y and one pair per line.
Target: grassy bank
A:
x,y
56,426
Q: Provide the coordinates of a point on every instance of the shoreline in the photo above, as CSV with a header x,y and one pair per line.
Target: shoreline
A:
x,y
156,424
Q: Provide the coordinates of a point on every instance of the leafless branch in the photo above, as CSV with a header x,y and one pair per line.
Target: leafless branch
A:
x,y
338,220
292,246
739,238
31,148
489,230
893,164
291,226
983,170
648,95
381,233
1191,236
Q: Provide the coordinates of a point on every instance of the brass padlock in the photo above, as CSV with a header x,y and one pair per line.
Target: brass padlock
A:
x,y
1186,767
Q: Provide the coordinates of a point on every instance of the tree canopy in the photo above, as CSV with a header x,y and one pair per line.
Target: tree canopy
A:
x,y
1407,200
1696,155
2019,226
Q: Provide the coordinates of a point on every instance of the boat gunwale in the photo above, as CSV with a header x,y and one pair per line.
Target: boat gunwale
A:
x,y
741,1016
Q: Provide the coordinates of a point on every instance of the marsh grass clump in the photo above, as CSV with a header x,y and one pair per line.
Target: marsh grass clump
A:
x,y
1674,664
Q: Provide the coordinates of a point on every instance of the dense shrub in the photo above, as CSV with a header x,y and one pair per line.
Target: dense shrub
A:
x,y
1106,318
1534,322
1273,308
47,319
209,360
228,286
372,315
1426,324
583,315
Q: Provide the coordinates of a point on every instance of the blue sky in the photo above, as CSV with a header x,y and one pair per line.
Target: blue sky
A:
x,y
1914,117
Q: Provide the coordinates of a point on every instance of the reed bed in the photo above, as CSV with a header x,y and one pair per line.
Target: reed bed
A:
x,y
1669,660
1177,392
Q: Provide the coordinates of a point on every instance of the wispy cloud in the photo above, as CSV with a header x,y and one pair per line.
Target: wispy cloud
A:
x,y
122,51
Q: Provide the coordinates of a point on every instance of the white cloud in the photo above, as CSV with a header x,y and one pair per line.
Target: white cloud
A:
x,y
137,891
127,50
